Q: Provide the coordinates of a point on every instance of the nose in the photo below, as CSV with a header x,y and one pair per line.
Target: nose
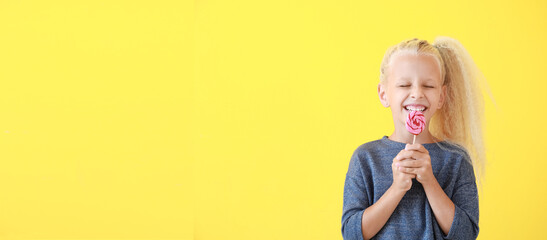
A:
x,y
416,92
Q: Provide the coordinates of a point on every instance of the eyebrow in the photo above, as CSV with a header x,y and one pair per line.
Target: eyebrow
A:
x,y
405,78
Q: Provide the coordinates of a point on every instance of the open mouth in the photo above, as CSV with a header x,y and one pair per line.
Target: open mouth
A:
x,y
415,108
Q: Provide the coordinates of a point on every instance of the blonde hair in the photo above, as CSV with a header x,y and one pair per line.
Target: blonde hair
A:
x,y
460,119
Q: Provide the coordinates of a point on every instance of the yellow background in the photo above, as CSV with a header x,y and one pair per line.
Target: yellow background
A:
x,y
95,133
237,119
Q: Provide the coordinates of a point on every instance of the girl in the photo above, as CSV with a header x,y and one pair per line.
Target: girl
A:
x,y
426,190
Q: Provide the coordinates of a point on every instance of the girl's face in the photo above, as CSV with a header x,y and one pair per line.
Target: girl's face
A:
x,y
413,83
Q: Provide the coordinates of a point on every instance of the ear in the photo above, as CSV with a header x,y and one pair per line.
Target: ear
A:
x,y
443,96
382,95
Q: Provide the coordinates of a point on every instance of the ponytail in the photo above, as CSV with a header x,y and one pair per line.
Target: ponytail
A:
x,y
460,120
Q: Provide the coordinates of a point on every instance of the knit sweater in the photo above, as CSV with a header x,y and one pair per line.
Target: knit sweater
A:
x,y
369,175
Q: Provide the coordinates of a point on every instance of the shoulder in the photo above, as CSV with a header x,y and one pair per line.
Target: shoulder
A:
x,y
369,152
455,155
363,158
369,148
453,148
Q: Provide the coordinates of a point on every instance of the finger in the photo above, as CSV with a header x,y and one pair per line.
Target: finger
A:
x,y
409,163
409,175
416,147
417,156
410,155
403,154
408,170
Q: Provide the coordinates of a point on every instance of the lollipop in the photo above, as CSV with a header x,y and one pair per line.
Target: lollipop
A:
x,y
415,123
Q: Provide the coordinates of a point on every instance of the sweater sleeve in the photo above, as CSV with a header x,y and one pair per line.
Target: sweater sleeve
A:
x,y
465,224
355,200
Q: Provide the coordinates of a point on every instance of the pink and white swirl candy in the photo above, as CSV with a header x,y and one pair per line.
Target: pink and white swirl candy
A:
x,y
415,122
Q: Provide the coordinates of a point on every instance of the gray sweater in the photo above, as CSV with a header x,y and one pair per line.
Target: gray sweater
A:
x,y
369,176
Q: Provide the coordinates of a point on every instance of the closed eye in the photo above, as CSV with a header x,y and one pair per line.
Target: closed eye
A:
x,y
404,85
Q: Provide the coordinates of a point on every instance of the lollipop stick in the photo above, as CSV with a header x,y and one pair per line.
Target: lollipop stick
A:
x,y
414,139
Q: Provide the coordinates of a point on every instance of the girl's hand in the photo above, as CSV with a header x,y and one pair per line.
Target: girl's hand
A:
x,y
401,180
415,159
